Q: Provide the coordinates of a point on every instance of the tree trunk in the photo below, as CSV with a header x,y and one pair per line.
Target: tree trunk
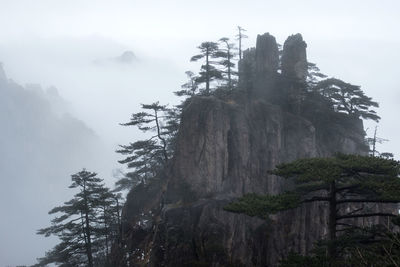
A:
x,y
164,142
229,69
240,44
106,229
332,222
207,72
87,230
374,143
89,243
119,223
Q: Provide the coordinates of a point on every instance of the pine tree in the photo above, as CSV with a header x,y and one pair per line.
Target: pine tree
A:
x,y
373,141
314,75
347,98
208,71
227,56
77,226
240,36
349,184
190,87
146,158
108,223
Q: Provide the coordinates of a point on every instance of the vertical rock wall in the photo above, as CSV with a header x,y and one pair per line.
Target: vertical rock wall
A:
x,y
267,54
294,57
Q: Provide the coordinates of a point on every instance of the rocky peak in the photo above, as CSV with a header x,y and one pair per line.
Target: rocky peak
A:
x,y
259,67
267,54
247,62
247,68
126,57
224,150
294,57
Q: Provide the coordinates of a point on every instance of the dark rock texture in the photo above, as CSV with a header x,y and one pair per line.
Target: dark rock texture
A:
x,y
235,143
224,150
267,54
294,57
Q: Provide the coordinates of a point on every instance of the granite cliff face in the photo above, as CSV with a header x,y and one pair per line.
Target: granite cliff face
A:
x,y
294,57
224,150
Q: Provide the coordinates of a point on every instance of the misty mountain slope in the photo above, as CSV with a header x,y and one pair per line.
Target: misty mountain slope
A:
x,y
31,125
40,147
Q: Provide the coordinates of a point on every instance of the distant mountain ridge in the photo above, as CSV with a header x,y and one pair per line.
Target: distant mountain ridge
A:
x,y
41,144
127,57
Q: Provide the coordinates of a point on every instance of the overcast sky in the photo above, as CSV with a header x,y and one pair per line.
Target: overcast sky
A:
x,y
55,42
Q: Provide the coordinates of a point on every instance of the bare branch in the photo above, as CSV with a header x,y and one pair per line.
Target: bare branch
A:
x,y
366,200
365,215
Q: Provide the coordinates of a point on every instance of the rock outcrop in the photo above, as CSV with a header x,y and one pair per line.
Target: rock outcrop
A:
x,y
224,150
259,68
294,57
267,54
234,144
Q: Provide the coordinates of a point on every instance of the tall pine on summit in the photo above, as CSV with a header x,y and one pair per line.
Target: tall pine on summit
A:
x,y
208,71
227,55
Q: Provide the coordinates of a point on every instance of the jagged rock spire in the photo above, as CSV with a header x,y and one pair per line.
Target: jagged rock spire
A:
x,y
247,68
294,57
267,55
249,56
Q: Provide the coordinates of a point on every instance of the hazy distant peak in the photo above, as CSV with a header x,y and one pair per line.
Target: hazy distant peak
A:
x,y
126,57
